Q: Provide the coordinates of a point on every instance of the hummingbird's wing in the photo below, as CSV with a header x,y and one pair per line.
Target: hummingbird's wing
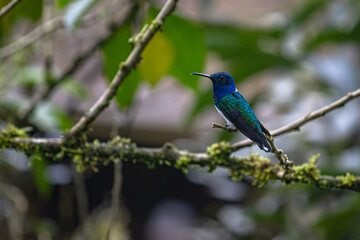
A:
x,y
252,133
238,111
265,130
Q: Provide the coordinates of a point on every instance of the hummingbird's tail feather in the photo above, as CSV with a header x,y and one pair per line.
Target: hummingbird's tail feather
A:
x,y
264,129
264,145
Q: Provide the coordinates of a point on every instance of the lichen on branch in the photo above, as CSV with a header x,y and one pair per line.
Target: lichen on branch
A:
x,y
93,154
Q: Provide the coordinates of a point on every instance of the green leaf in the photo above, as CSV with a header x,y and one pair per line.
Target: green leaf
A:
x,y
25,9
42,184
190,51
127,90
75,88
303,13
158,58
115,50
241,49
75,12
29,76
62,119
347,215
63,3
29,9
49,117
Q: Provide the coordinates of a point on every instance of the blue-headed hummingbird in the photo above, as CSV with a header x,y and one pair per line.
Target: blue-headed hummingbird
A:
x,y
232,106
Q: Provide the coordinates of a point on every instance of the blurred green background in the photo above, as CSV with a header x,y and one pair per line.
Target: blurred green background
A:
x,y
287,58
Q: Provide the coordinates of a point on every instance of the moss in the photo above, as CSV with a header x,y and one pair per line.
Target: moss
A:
x,y
134,40
35,157
348,180
11,131
155,25
8,133
183,163
219,154
308,172
260,168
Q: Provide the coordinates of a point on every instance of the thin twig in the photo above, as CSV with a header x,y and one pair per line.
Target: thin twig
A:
x,y
171,155
296,125
81,194
48,43
43,30
278,153
285,163
115,197
18,208
48,28
125,68
8,7
45,91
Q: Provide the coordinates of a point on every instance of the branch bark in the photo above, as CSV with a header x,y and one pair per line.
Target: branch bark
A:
x,y
296,125
8,7
143,38
218,155
47,28
47,89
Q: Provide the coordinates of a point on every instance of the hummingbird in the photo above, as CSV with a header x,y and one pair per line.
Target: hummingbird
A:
x,y
233,107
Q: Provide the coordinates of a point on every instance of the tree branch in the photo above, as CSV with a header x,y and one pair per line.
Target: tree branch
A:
x,y
8,7
115,197
48,28
47,89
143,38
296,125
217,155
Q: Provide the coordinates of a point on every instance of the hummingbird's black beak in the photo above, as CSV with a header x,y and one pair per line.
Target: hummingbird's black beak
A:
x,y
202,74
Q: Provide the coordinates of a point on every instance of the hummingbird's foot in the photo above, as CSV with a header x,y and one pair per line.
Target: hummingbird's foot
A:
x,y
228,128
224,126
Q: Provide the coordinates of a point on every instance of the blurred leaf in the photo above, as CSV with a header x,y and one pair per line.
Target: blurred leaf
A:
x,y
224,135
241,49
42,184
190,52
29,9
62,119
158,58
63,3
341,223
49,117
25,9
75,88
127,90
115,50
304,12
29,75
331,35
75,12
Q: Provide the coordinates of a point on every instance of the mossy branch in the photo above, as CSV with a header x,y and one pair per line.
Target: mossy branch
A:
x,y
125,68
44,92
93,154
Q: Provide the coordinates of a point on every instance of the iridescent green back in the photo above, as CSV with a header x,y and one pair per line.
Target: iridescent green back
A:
x,y
235,102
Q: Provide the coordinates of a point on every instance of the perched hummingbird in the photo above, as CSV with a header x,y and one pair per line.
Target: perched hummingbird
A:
x,y
232,106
